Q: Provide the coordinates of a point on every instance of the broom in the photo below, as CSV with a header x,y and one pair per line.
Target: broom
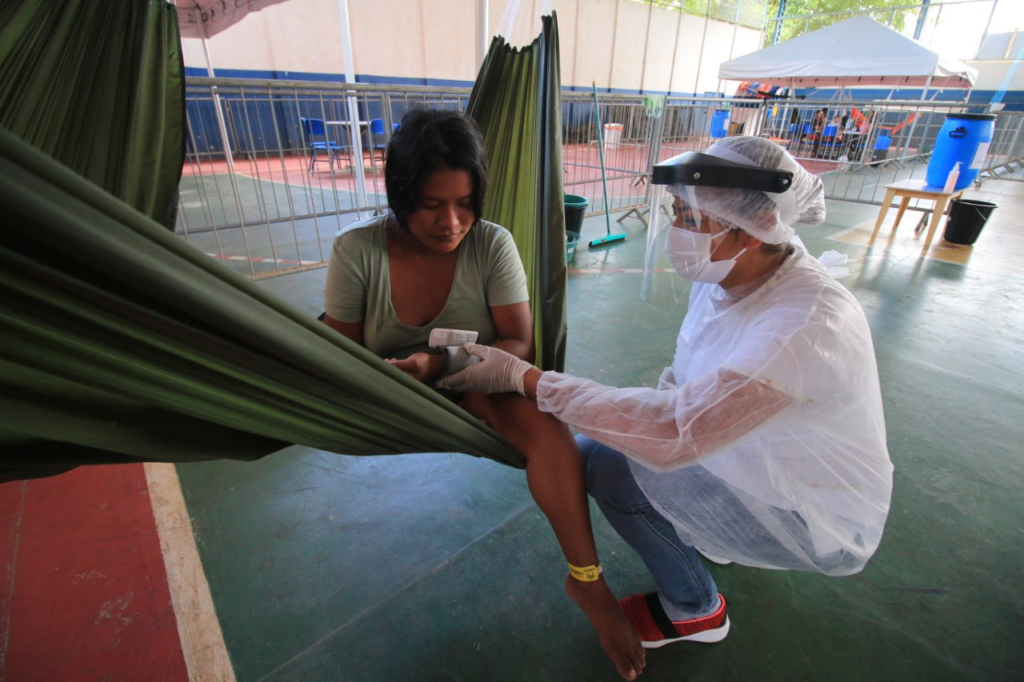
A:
x,y
609,237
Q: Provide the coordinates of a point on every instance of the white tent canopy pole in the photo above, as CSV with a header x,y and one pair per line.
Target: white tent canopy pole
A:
x,y
221,123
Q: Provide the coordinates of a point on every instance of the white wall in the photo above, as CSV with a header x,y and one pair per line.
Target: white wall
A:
x,y
991,75
615,43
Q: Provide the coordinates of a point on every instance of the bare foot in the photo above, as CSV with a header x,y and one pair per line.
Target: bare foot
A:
x,y
618,639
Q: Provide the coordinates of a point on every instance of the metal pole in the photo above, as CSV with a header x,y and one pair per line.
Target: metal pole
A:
x,y
779,16
221,124
611,64
355,130
675,47
988,25
647,43
735,29
913,125
482,31
700,56
921,19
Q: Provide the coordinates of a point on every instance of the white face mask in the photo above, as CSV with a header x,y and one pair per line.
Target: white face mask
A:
x,y
690,254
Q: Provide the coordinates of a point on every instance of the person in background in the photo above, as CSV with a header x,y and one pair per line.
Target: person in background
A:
x,y
433,262
837,123
864,123
818,124
764,441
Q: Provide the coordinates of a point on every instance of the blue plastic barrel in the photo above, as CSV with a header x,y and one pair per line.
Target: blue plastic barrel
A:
x,y
720,123
964,138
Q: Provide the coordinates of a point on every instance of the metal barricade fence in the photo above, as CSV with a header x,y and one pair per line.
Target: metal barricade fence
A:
x,y
621,144
258,194
637,132
1005,158
894,142
255,194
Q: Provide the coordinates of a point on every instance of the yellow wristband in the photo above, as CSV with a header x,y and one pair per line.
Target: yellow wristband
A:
x,y
587,574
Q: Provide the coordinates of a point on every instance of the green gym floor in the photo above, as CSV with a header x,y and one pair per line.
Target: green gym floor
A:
x,y
438,566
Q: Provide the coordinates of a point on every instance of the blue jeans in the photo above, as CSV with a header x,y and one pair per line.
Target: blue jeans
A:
x,y
685,585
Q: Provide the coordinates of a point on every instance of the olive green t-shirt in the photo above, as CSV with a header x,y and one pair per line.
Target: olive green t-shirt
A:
x,y
358,287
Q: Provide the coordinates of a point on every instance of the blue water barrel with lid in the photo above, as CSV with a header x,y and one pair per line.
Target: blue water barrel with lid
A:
x,y
964,138
720,123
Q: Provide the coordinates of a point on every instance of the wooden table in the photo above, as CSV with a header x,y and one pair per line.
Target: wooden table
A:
x,y
914,189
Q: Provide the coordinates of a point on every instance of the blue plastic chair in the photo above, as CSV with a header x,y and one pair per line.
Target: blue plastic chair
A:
x,y
881,152
827,144
378,138
312,128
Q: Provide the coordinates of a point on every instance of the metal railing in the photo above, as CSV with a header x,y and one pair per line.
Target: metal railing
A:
x,y
252,195
1005,158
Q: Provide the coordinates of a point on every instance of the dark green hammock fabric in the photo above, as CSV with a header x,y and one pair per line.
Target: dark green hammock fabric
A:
x,y
517,103
99,86
121,343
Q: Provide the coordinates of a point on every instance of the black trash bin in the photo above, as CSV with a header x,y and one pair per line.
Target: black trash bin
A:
x,y
966,218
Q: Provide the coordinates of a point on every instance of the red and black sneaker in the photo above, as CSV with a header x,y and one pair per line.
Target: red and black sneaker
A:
x,y
648,618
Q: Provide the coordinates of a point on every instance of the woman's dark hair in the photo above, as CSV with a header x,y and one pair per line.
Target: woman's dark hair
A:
x,y
427,141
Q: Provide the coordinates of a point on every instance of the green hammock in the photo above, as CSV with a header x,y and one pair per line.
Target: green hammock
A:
x,y
99,86
120,343
517,103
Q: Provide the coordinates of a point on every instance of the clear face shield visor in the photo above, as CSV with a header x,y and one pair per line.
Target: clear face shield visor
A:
x,y
675,204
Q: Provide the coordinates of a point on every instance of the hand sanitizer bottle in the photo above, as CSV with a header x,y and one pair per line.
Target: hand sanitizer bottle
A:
x,y
952,178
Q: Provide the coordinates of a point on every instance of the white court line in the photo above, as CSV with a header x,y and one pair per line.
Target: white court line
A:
x,y
202,642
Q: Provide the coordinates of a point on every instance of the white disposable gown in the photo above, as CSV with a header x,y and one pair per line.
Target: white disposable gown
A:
x,y
765,440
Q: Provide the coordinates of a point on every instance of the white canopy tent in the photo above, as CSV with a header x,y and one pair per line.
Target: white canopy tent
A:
x,y
856,52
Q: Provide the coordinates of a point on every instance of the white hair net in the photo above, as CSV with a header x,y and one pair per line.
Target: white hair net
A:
x,y
767,216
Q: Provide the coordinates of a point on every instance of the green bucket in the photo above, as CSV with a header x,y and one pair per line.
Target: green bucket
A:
x,y
572,239
575,207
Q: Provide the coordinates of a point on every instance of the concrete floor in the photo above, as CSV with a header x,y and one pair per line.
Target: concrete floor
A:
x,y
439,566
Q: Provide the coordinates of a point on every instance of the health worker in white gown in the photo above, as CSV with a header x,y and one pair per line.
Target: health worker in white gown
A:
x,y
764,442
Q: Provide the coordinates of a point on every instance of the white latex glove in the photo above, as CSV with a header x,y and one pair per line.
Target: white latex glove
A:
x,y
497,372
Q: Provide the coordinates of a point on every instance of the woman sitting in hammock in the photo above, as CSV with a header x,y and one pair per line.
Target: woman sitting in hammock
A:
x,y
433,263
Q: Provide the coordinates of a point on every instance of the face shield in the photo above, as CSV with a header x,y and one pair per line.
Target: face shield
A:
x,y
706,196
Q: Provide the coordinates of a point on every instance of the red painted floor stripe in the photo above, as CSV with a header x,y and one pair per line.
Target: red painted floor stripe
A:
x,y
85,592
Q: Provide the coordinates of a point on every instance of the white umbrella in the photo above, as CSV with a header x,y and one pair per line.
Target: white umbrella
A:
x,y
205,18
